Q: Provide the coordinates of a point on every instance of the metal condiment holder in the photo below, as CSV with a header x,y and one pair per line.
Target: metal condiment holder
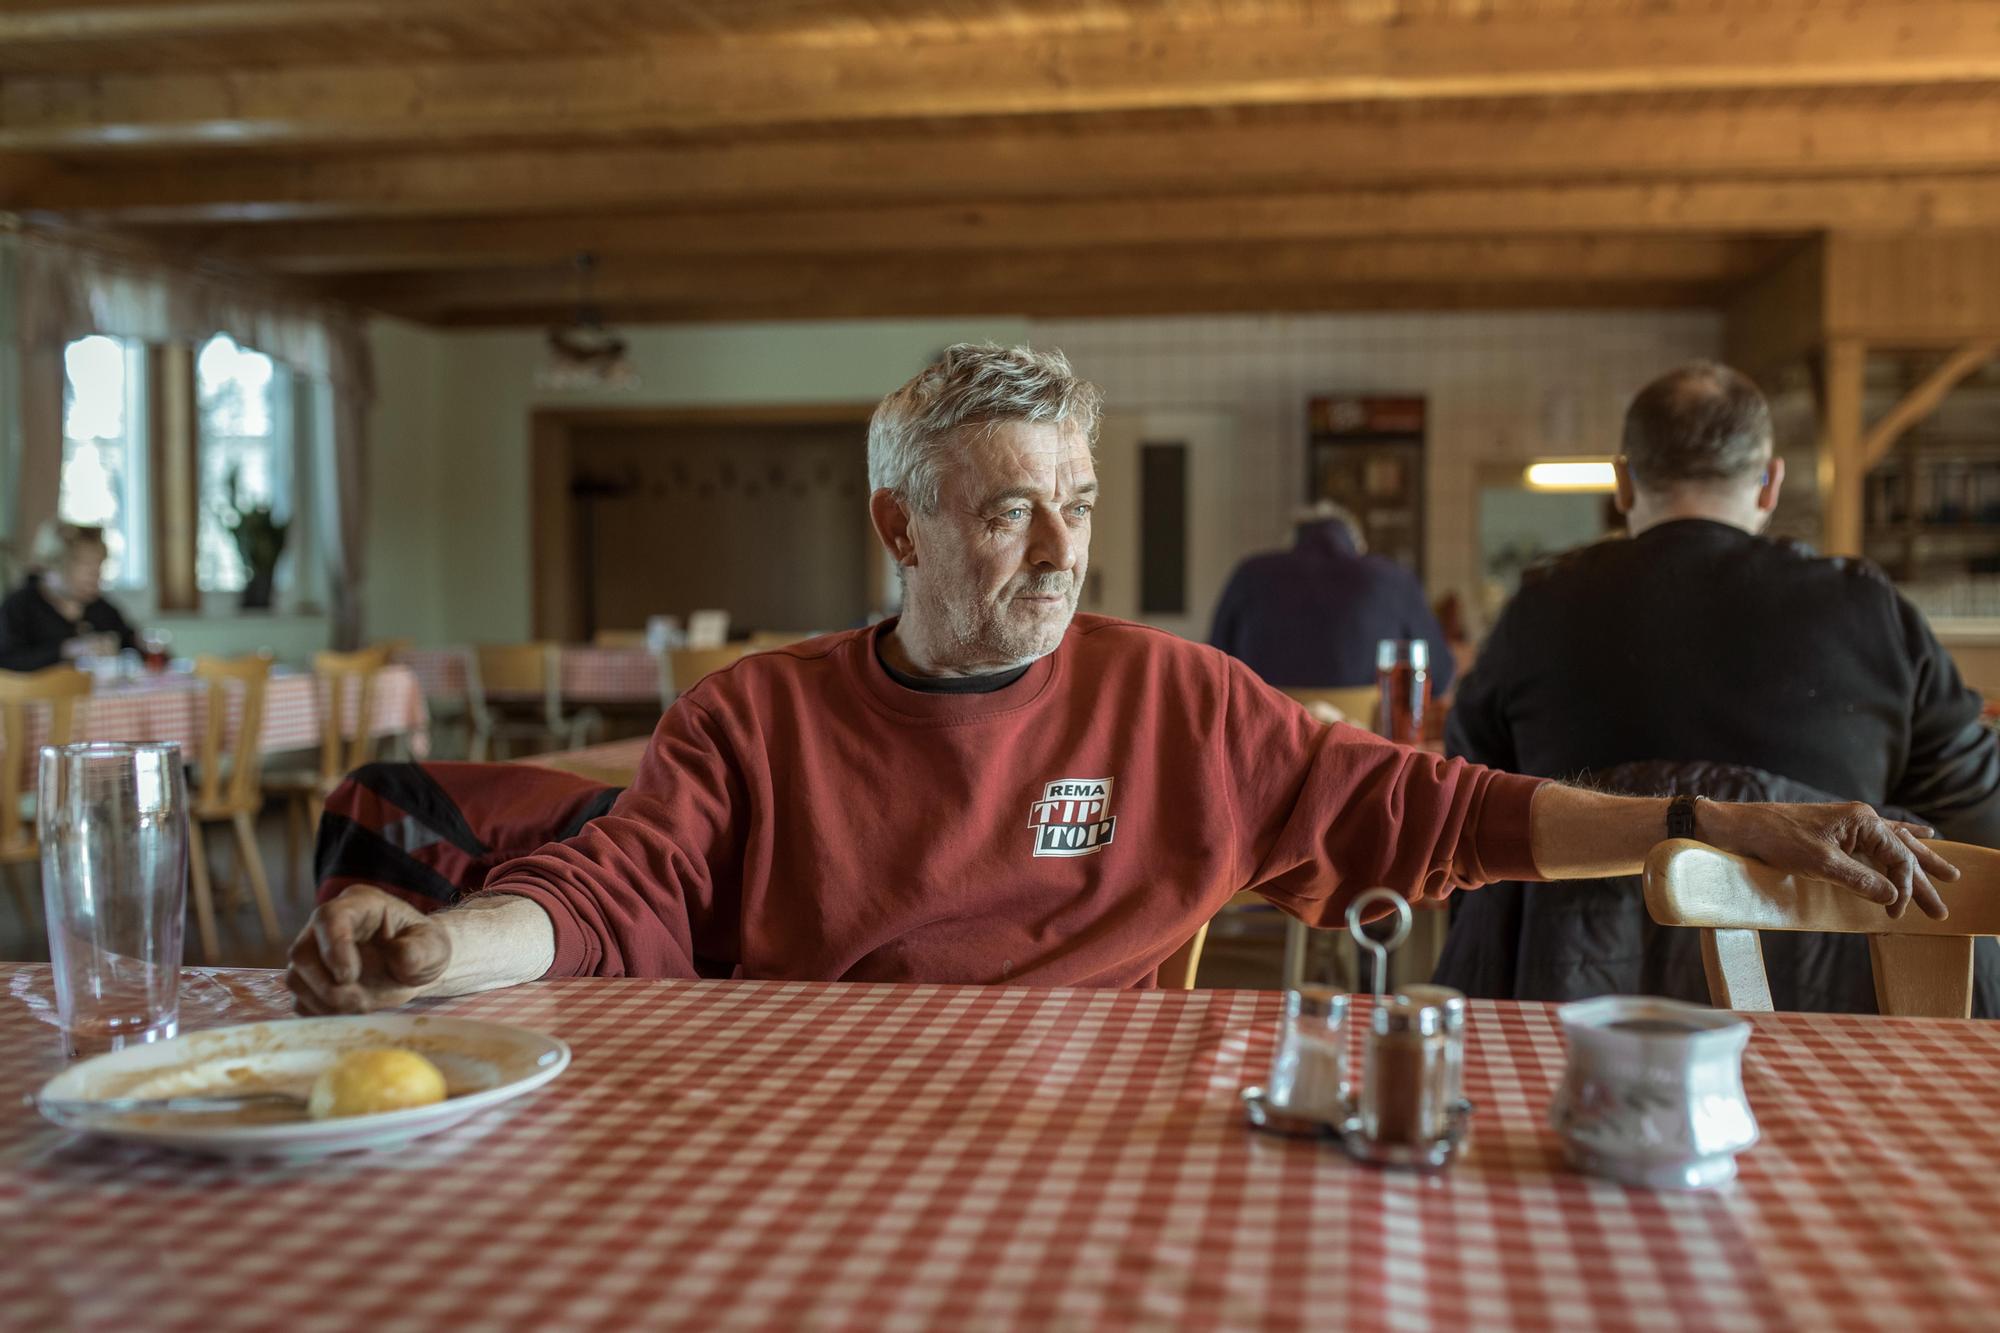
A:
x,y
1273,1118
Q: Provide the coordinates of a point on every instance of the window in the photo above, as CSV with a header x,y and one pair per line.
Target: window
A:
x,y
245,406
104,450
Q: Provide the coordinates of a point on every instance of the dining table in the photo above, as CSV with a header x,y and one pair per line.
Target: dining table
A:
x,y
589,674
173,706
757,1154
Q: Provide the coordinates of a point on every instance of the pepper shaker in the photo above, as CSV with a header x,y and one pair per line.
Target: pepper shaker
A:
x,y
1403,1084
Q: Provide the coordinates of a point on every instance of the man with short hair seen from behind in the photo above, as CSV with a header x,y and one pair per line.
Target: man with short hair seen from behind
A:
x,y
1702,656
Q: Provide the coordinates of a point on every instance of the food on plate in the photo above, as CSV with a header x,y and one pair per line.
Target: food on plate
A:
x,y
375,1079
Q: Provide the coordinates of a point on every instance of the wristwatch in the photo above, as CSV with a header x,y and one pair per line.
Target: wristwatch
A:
x,y
1680,816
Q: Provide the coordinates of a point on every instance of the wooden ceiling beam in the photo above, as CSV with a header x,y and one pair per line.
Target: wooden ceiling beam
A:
x,y
706,86
990,281
1346,148
1153,299
1778,208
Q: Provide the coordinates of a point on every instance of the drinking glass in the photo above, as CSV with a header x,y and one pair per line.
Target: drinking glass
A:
x,y
1403,673
112,820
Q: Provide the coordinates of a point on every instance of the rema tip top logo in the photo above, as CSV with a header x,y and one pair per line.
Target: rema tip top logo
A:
x,y
1073,818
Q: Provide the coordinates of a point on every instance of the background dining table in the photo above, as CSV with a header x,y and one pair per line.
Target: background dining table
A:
x,y
174,707
736,1154
590,674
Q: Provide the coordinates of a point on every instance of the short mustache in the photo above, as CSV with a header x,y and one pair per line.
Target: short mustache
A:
x,y
1045,585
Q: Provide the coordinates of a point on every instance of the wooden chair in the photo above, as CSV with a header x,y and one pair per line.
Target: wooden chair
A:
x,y
58,688
681,668
522,669
346,742
1358,704
1922,967
619,638
1178,972
231,789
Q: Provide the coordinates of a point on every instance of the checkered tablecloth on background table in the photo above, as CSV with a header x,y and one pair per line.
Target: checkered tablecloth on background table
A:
x,y
731,1155
176,709
589,675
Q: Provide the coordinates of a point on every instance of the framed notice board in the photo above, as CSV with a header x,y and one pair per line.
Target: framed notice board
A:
x,y
1367,452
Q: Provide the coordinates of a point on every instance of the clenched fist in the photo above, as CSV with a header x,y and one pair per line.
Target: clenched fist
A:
x,y
363,951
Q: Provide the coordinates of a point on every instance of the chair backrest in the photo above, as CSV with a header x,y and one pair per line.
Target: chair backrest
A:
x,y
619,638
346,683
515,668
57,688
682,667
1922,967
245,754
1357,704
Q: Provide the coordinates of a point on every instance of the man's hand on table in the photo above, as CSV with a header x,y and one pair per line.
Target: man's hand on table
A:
x,y
1884,860
363,951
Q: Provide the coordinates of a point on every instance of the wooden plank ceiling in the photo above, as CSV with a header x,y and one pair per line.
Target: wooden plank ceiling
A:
x,y
446,159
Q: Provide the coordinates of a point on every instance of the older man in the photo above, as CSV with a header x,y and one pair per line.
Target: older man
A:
x,y
993,788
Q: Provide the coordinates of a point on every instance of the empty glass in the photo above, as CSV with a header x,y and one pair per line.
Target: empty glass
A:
x,y
112,820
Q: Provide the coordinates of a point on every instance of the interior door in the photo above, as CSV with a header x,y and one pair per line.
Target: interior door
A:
x,y
1214,496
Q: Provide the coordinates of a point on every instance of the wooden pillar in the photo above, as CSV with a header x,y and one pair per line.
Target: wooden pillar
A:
x,y
176,475
1842,458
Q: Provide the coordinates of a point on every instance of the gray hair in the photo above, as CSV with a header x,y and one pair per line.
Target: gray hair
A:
x,y
1702,422
56,542
915,429
1332,511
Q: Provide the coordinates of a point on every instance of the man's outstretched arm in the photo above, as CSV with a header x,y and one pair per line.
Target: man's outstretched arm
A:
x,y
1586,835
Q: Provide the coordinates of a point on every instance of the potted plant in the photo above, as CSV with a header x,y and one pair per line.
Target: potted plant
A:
x,y
260,540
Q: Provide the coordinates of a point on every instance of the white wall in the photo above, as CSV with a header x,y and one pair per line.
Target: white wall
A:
x,y
1502,389
449,557
476,511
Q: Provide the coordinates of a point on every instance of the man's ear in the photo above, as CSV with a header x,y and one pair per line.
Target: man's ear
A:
x,y
1774,481
1623,494
892,526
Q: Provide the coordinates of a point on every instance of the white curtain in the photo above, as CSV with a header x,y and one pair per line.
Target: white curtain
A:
x,y
53,292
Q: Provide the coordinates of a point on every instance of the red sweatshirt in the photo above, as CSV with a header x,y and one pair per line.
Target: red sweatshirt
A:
x,y
800,815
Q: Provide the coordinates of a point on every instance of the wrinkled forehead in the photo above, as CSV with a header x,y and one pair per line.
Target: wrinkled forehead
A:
x,y
1033,457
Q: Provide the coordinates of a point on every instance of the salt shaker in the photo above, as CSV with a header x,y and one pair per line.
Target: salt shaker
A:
x,y
1403,1085
1309,1070
1452,1003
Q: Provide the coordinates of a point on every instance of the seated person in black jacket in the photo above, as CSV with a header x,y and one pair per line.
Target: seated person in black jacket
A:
x,y
59,613
1701,652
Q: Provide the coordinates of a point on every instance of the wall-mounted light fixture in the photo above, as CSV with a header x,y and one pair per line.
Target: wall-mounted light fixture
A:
x,y
1571,474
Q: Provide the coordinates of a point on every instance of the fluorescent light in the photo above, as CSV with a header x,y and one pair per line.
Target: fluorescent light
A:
x,y
1572,474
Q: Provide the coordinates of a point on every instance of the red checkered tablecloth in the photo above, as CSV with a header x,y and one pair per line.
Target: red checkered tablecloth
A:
x,y
736,1155
589,675
176,709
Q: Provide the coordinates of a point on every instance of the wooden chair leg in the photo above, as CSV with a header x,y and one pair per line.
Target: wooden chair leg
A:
x,y
293,819
24,898
204,899
253,870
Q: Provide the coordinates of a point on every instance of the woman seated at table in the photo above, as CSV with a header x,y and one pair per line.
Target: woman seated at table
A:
x,y
59,613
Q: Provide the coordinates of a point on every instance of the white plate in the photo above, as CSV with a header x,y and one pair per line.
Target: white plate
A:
x,y
484,1064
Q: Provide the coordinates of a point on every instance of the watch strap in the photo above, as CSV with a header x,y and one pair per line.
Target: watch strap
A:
x,y
1680,816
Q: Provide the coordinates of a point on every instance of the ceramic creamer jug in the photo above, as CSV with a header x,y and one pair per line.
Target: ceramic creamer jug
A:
x,y
1653,1093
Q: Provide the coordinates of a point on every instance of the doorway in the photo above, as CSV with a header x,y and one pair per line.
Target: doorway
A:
x,y
760,513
